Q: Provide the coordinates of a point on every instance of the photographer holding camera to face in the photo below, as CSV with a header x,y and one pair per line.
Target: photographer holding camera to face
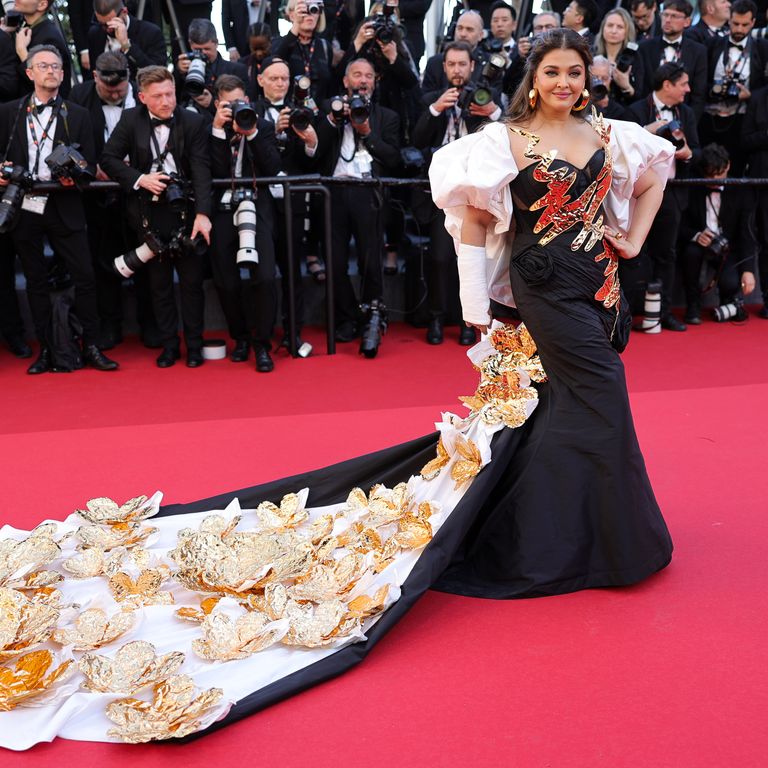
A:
x,y
242,248
305,48
42,135
665,114
358,139
718,229
167,181
197,71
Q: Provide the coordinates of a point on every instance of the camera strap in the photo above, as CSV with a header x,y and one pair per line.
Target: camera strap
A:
x,y
236,143
160,156
39,143
307,55
735,70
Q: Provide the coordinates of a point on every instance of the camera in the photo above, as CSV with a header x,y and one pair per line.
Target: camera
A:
x,y
244,217
493,45
194,82
314,7
359,107
733,311
598,90
626,58
337,109
181,244
725,89
243,115
19,183
719,247
66,162
301,114
480,92
375,327
384,24
673,132
13,18
176,193
127,264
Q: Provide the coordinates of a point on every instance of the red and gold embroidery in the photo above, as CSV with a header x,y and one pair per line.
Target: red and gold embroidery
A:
x,y
561,212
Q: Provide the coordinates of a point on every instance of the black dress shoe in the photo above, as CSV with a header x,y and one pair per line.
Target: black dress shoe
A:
x,y
93,358
435,331
264,363
43,364
671,323
109,338
194,358
467,336
167,358
693,317
347,331
19,347
241,351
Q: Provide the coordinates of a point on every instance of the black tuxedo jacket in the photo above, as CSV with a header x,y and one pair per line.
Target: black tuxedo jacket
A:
x,y
693,56
382,142
75,129
320,64
235,21
644,113
147,45
754,135
261,158
293,159
737,223
758,60
85,95
189,148
45,32
430,130
701,33
9,76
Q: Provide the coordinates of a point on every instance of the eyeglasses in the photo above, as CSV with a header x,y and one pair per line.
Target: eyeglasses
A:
x,y
43,67
673,15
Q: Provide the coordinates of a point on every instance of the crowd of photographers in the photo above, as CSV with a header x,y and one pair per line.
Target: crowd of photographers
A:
x,y
340,94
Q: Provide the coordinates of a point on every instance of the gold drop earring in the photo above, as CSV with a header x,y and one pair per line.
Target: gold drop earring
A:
x,y
533,97
582,102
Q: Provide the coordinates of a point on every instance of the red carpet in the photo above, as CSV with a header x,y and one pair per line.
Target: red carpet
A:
x,y
669,673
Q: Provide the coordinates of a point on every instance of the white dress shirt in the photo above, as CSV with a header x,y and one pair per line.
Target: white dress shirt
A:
x,y
40,121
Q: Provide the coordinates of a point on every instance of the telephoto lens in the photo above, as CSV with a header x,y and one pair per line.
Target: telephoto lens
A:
x,y
243,115
245,221
359,108
194,82
652,309
337,109
375,327
127,264
19,181
732,311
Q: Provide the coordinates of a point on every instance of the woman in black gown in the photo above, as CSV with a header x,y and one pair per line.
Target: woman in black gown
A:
x,y
564,502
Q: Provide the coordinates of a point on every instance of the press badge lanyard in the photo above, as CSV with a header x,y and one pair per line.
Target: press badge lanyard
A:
x,y
308,58
738,65
39,143
160,156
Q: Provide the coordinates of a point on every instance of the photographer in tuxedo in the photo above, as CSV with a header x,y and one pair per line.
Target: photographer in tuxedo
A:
x,y
115,30
444,122
239,150
673,46
665,114
718,227
38,29
204,44
30,129
106,97
297,148
353,147
167,182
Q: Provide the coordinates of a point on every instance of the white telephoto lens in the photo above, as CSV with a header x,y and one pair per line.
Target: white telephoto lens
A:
x,y
127,264
245,221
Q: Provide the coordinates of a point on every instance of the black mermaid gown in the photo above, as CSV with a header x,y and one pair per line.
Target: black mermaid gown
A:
x,y
565,503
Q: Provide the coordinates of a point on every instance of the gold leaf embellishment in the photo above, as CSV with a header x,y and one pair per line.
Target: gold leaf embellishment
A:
x,y
30,678
93,629
433,468
174,711
104,511
470,463
23,623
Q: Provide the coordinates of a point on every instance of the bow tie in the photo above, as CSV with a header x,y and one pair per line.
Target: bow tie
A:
x,y
156,122
675,45
40,107
739,46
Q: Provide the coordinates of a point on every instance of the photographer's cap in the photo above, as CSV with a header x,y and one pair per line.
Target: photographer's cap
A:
x,y
268,61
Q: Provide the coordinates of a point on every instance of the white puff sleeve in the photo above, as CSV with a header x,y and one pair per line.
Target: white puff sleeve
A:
x,y
634,151
476,171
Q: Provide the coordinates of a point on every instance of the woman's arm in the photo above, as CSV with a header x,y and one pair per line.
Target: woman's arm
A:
x,y
648,193
471,262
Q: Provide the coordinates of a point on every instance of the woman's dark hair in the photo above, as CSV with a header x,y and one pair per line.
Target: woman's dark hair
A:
x,y
519,110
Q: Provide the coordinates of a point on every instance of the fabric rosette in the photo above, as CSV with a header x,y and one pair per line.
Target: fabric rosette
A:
x,y
533,264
